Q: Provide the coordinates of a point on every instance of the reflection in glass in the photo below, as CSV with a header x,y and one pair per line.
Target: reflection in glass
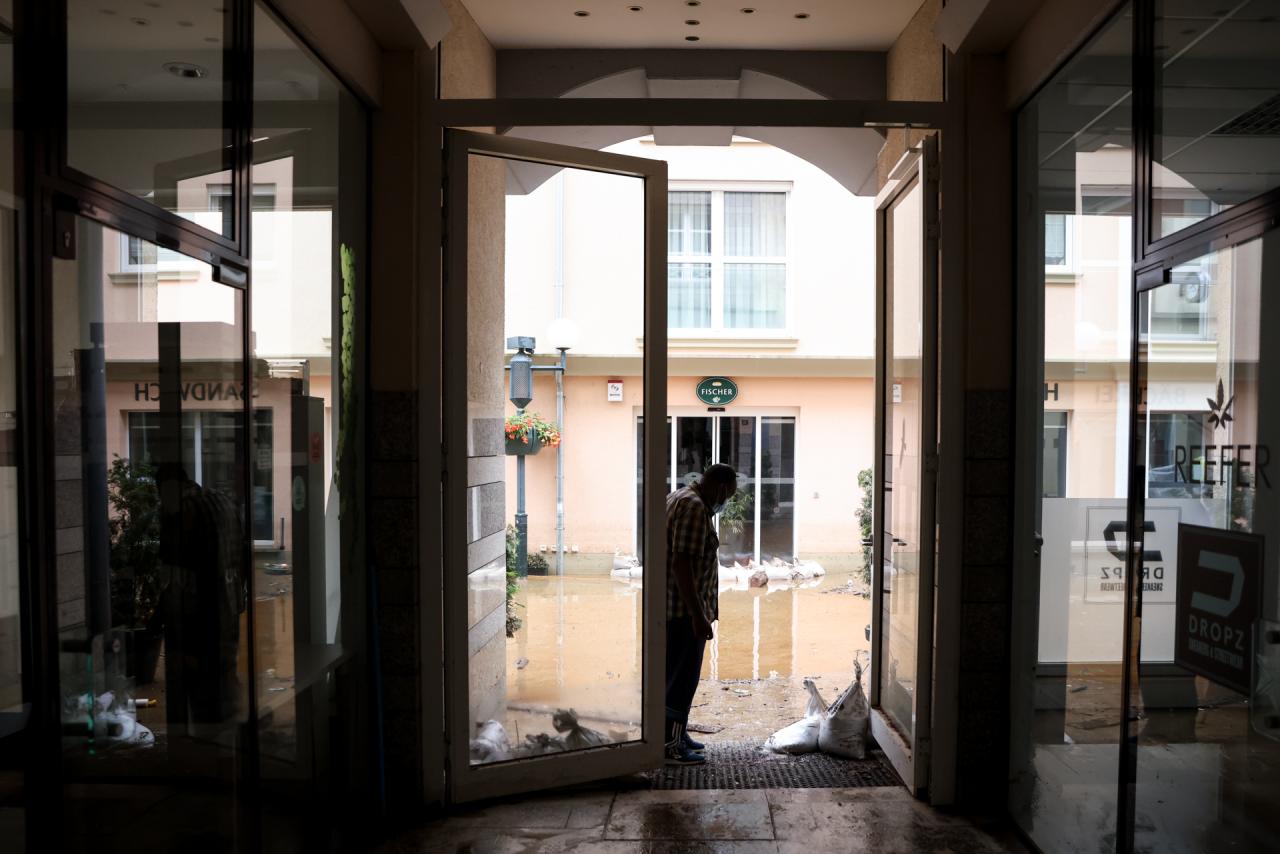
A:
x,y
737,522
777,488
151,582
554,661
1217,103
1076,151
12,698
146,111
1209,746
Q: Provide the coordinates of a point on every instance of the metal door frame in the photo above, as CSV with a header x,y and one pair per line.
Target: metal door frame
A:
x,y
910,757
465,782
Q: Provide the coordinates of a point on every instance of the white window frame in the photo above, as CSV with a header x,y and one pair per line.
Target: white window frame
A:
x,y
168,261
717,259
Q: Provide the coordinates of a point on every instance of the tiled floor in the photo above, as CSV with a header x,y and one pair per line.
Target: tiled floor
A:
x,y
776,821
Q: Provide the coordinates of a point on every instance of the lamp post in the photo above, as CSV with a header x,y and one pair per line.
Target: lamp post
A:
x,y
563,334
520,393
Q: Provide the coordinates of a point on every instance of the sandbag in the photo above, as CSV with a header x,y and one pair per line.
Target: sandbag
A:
x,y
801,736
842,730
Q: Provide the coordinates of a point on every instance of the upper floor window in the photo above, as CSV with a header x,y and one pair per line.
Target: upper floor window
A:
x,y
726,259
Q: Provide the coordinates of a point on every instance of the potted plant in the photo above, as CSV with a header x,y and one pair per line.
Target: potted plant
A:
x,y
528,432
134,529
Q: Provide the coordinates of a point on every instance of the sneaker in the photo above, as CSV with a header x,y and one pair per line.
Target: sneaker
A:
x,y
679,754
695,746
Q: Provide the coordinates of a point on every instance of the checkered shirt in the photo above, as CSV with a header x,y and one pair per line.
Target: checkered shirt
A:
x,y
690,532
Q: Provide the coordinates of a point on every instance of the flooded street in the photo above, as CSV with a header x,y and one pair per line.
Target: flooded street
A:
x,y
579,647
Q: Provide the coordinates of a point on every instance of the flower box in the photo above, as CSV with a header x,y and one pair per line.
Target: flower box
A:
x,y
519,447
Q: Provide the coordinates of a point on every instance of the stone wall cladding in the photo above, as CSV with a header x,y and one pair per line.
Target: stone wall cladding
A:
x,y
393,540
983,732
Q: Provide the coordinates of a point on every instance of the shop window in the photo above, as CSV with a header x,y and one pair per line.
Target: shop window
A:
x,y
726,260
209,441
1175,459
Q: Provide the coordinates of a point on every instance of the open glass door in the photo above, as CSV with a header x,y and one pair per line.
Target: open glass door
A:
x,y
906,462
544,685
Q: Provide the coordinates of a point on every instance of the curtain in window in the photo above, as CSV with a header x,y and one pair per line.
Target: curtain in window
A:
x,y
755,296
755,224
688,223
689,296
1055,239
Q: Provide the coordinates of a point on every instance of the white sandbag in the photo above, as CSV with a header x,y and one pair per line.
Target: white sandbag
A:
x,y
491,743
801,736
576,736
842,730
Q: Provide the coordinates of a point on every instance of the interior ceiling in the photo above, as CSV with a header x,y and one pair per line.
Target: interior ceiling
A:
x,y
773,25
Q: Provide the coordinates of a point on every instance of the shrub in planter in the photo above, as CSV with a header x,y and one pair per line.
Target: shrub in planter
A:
x,y
134,529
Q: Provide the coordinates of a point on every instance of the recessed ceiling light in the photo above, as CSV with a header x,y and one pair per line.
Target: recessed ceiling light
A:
x,y
800,16
635,8
141,22
581,14
107,11
693,23
691,38
748,11
693,2
186,70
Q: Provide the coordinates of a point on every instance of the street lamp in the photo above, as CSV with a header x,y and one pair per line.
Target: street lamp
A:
x,y
520,393
564,335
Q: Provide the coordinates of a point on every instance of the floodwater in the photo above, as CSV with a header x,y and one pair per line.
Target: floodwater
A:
x,y
579,647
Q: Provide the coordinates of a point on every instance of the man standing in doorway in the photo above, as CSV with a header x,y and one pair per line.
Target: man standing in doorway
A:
x,y
693,602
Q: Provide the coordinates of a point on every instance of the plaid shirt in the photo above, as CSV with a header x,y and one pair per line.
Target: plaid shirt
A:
x,y
690,532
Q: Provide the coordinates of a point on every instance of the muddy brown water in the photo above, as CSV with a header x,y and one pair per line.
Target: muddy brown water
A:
x,y
579,647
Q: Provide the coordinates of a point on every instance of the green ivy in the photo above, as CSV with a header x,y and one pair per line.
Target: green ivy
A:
x,y
863,514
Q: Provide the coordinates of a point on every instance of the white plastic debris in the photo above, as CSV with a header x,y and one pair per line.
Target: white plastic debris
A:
x,y
801,736
843,729
491,743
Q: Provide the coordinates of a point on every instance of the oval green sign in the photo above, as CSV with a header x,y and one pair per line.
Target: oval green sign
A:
x,y
717,391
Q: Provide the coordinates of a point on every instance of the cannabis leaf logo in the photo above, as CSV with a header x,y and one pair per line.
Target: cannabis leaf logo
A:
x,y
1219,412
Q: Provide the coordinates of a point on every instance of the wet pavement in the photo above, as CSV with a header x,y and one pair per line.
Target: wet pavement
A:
x,y
619,819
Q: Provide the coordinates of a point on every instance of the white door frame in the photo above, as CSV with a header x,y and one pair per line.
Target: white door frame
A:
x,y
910,756
465,782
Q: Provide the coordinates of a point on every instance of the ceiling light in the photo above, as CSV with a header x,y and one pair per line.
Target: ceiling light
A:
x,y
693,23
635,8
693,2
800,16
691,38
141,22
107,11
581,14
185,70
748,11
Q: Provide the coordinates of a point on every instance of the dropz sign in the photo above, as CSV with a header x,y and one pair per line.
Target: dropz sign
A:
x,y
1218,577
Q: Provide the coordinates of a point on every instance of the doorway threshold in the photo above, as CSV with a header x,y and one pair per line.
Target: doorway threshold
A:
x,y
746,764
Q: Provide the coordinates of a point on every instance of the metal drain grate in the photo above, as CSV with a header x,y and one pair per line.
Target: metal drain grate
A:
x,y
746,765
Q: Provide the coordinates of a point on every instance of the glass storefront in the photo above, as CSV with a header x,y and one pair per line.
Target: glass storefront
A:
x,y
191,463
1145,712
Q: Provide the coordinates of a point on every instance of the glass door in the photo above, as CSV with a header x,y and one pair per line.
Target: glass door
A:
x,y
151,585
1203,736
906,463
543,687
